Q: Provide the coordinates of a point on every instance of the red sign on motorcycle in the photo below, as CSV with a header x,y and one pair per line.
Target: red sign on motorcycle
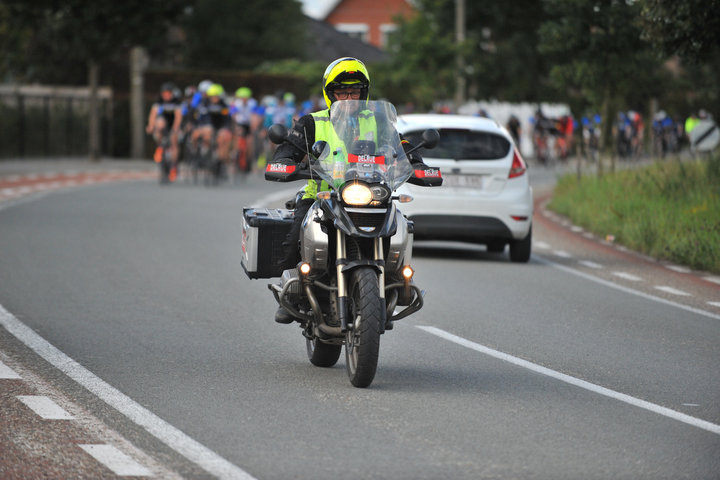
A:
x,y
429,173
280,168
368,159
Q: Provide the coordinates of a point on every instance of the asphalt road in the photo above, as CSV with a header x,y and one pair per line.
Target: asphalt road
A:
x,y
546,370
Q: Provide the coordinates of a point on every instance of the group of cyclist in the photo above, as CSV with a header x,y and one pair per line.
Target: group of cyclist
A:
x,y
212,134
554,139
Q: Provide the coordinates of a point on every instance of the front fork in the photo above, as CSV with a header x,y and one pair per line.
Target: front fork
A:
x,y
342,284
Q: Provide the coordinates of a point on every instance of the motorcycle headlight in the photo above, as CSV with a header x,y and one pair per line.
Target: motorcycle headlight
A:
x,y
357,194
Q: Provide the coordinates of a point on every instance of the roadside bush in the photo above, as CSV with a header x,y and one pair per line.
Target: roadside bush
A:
x,y
670,210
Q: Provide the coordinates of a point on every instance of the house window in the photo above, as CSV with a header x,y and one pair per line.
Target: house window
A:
x,y
386,31
361,31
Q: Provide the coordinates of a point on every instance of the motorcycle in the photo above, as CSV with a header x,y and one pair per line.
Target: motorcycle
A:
x,y
355,245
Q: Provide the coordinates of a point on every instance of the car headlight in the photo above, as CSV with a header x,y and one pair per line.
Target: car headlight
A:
x,y
357,194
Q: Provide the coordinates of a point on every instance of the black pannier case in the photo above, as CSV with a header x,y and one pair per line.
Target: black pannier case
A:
x,y
263,234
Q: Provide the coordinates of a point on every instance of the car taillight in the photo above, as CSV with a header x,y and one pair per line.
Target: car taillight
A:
x,y
518,165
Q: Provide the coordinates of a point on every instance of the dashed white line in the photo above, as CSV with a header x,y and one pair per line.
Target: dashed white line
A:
x,y
627,276
713,279
576,229
160,429
7,373
45,407
671,290
714,304
589,264
622,288
678,268
541,245
666,412
120,463
561,254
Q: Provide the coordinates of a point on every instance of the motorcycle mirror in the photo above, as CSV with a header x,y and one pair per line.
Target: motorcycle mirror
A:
x,y
430,137
318,148
277,133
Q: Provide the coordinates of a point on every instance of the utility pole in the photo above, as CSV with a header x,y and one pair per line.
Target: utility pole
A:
x,y
138,63
460,80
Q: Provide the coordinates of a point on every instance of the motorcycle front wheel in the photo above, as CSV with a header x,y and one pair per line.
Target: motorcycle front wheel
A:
x,y
367,314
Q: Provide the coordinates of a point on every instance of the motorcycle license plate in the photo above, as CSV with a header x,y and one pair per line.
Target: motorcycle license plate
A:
x,y
464,181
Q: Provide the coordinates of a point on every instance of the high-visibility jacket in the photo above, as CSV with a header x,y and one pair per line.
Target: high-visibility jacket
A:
x,y
324,131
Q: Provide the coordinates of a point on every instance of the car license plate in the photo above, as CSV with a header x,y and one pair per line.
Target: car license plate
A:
x,y
465,181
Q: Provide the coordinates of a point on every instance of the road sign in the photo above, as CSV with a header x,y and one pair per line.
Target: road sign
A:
x,y
705,136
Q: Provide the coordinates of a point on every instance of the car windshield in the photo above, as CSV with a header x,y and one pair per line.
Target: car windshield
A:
x,y
363,144
462,144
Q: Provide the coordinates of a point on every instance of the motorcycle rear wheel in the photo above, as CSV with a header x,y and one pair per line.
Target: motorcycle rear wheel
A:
x,y
367,312
322,354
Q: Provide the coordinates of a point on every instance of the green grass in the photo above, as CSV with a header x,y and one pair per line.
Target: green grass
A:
x,y
670,210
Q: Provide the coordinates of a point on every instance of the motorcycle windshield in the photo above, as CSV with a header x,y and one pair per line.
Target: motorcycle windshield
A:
x,y
362,145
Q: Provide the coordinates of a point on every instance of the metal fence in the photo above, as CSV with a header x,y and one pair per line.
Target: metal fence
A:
x,y
46,121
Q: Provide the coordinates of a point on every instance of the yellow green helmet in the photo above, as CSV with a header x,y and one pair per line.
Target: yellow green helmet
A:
x,y
344,72
215,90
243,92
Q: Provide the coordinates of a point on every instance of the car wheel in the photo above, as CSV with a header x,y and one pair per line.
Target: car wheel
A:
x,y
520,249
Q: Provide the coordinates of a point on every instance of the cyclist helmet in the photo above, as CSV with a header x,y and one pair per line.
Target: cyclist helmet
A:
x,y
168,87
215,90
345,72
204,85
243,92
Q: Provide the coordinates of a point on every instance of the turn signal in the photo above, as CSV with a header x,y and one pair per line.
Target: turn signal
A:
x,y
403,198
407,272
324,195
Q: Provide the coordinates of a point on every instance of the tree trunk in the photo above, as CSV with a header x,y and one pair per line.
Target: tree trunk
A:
x,y
93,112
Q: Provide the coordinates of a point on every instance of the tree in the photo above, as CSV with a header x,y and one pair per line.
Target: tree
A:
x,y
500,52
689,29
242,34
596,54
52,37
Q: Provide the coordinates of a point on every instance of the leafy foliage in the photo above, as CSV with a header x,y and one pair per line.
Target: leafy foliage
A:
x,y
242,34
46,40
690,29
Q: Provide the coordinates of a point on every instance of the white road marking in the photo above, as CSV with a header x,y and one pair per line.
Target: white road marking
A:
x,y
576,229
678,268
562,254
589,264
7,373
622,288
160,429
666,412
45,407
541,245
627,276
714,304
671,290
121,464
713,279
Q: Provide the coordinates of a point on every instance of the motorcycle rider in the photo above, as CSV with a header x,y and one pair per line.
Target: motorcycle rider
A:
x,y
345,78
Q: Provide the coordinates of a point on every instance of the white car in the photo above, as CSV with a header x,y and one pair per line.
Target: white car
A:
x,y
485,197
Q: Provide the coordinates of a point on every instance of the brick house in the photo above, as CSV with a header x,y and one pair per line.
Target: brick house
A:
x,y
368,20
